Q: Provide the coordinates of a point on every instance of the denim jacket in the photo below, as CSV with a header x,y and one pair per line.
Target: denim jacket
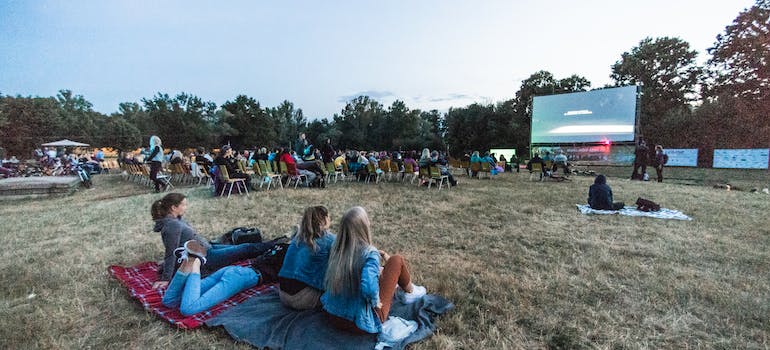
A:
x,y
359,307
305,265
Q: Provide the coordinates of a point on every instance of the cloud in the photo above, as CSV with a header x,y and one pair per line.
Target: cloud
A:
x,y
452,97
371,93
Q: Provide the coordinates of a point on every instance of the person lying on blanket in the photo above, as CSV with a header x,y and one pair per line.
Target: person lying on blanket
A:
x,y
359,293
304,267
600,195
191,295
167,213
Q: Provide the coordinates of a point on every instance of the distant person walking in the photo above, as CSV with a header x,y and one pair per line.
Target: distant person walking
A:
x,y
156,160
640,160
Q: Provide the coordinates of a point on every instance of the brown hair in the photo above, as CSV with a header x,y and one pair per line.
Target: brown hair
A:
x,y
162,207
310,226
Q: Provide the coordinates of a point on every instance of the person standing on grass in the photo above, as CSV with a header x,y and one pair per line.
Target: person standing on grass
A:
x,y
359,293
660,159
304,266
640,160
167,213
600,195
156,161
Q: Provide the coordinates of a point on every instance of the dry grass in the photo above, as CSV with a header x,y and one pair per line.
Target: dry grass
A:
x,y
523,267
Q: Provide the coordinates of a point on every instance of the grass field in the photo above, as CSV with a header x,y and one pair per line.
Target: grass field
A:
x,y
523,267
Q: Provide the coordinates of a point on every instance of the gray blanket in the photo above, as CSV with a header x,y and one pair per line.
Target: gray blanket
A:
x,y
263,322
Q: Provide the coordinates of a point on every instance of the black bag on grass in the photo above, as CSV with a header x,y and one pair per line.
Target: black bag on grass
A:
x,y
240,235
646,205
270,262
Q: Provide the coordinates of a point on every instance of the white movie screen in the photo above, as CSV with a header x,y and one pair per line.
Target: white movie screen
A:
x,y
592,116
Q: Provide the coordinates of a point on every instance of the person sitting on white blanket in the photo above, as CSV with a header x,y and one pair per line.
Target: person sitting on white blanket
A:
x,y
600,195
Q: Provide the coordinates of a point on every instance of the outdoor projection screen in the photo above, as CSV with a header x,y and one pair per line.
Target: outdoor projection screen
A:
x,y
592,116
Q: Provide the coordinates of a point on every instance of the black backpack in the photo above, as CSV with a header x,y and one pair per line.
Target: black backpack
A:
x,y
270,262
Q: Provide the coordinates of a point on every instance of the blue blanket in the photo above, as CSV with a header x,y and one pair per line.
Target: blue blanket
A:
x,y
263,321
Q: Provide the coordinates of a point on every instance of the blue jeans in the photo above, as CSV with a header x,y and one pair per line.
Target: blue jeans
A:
x,y
221,255
192,295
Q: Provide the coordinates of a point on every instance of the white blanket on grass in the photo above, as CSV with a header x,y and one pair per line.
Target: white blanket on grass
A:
x,y
632,211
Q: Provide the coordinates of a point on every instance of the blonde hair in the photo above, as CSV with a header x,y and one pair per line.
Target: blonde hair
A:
x,y
310,226
425,154
346,258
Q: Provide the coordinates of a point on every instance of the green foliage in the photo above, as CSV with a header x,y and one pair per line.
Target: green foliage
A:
x,y
288,122
29,122
249,125
666,70
182,121
740,62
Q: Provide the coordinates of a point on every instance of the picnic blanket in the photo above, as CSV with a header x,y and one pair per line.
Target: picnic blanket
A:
x,y
139,279
632,211
263,321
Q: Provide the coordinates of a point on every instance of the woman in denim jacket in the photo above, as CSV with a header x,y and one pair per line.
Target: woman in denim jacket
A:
x,y
358,292
304,267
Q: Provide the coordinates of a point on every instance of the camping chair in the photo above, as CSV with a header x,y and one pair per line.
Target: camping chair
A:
x,y
536,168
269,174
486,168
292,175
408,171
437,177
395,170
475,168
332,171
385,168
372,172
225,176
424,174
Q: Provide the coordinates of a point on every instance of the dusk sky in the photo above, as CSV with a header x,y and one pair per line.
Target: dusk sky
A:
x,y
430,54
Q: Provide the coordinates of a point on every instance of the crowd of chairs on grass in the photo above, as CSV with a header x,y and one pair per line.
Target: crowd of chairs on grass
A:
x,y
53,162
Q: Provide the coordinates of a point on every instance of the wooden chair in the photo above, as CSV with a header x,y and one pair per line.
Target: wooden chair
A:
x,y
225,176
292,174
537,168
269,174
437,177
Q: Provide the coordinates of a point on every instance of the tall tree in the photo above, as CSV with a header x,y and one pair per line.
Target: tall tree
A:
x,y
740,62
250,125
288,122
666,70
356,121
182,121
29,121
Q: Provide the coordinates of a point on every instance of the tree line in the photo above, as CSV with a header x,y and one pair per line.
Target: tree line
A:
x,y
722,104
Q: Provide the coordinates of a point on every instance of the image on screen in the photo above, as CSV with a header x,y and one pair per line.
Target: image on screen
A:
x,y
592,116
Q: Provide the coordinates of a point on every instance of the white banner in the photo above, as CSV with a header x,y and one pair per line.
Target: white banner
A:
x,y
756,158
682,156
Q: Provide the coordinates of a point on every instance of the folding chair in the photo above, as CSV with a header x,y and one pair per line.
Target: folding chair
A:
x,y
372,172
436,176
537,168
269,174
293,176
332,171
409,170
486,168
231,182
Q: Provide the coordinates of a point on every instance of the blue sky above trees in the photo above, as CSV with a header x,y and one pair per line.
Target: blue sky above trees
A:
x,y
431,54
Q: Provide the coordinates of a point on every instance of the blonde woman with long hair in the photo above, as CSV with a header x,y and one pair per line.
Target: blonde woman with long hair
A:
x,y
359,293
156,160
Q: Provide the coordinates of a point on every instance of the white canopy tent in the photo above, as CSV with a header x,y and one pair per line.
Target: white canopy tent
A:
x,y
65,143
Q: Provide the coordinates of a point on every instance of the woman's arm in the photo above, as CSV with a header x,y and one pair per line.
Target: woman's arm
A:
x,y
154,152
370,279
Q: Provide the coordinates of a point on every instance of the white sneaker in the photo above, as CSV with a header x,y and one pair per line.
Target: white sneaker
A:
x,y
417,293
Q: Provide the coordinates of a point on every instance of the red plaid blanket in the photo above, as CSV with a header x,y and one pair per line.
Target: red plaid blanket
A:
x,y
139,279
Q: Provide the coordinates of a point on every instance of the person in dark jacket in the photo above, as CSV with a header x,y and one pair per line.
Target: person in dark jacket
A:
x,y
640,160
228,160
600,195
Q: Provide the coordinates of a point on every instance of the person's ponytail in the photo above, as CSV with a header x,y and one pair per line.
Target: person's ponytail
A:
x,y
160,208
